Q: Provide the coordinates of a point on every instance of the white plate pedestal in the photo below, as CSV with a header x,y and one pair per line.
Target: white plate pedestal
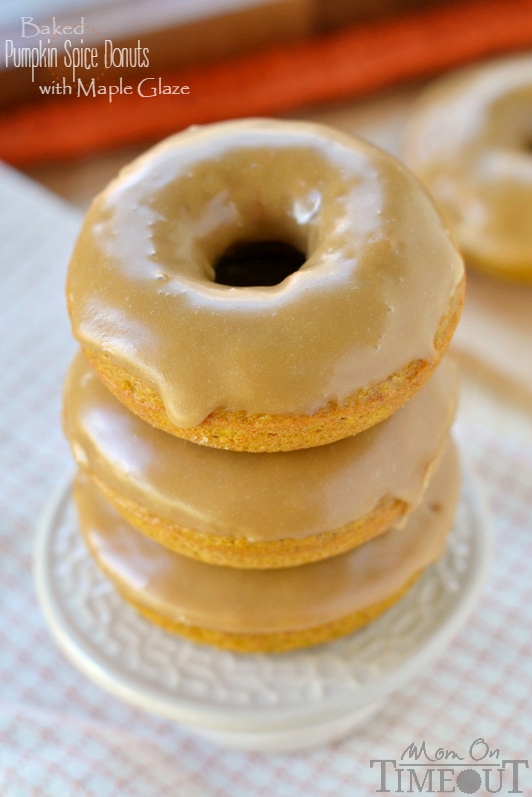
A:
x,y
255,702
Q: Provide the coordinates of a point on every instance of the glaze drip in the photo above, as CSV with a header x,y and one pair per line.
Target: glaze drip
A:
x,y
141,280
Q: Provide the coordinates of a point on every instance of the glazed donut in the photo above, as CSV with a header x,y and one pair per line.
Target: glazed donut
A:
x,y
251,510
331,349
269,610
470,142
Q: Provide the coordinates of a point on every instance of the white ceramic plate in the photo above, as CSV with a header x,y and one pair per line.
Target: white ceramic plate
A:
x,y
267,702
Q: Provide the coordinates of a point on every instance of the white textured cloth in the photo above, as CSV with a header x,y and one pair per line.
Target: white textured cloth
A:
x,y
60,736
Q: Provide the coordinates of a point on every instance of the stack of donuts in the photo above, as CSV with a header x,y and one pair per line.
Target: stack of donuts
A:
x,y
260,410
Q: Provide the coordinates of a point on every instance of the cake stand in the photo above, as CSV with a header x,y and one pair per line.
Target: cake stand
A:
x,y
255,702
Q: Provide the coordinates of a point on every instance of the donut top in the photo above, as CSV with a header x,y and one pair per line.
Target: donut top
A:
x,y
229,599
470,141
258,496
378,274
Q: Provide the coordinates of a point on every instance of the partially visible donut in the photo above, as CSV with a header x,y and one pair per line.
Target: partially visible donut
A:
x,y
331,349
269,610
470,142
251,510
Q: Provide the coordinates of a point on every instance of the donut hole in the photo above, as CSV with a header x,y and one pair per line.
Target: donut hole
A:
x,y
246,264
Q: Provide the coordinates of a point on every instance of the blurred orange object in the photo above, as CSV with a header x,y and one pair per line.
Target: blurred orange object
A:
x,y
349,63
